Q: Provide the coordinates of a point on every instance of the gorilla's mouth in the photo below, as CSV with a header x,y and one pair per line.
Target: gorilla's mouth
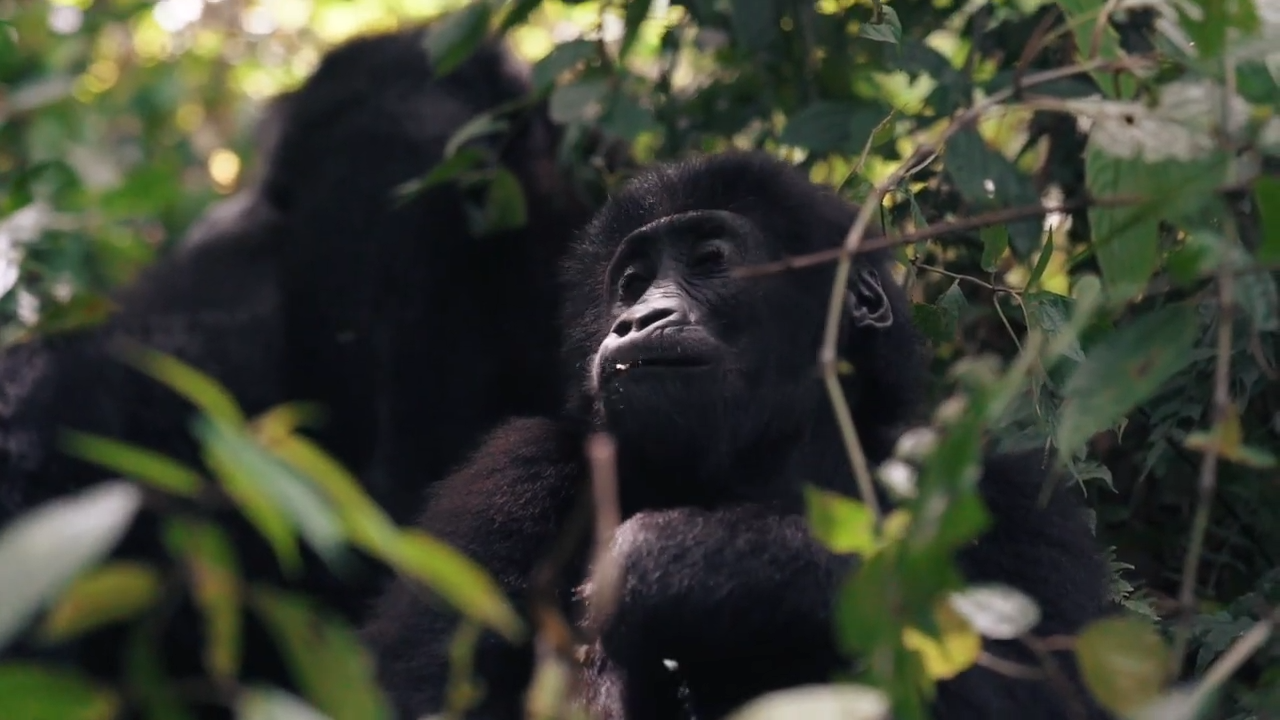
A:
x,y
686,362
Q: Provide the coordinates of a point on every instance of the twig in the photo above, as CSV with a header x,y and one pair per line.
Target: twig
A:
x,y
602,457
995,217
1239,653
1209,462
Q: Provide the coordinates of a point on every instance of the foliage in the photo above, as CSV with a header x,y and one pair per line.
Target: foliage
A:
x,y
1084,197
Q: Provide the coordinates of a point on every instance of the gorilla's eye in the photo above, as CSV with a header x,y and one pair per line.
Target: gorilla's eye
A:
x,y
709,256
631,283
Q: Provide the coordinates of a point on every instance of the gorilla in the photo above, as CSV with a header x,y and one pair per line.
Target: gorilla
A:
x,y
324,282
707,382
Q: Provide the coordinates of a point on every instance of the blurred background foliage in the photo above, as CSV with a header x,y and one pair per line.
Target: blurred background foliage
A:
x,y
121,121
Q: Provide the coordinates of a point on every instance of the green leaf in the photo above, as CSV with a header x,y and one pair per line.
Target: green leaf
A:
x,y
1127,367
516,12
201,390
830,126
637,11
467,158
1267,193
843,701
1126,240
214,575
1123,662
267,703
28,692
988,181
560,60
1052,312
995,240
1082,18
114,592
44,549
844,525
323,654
456,578
504,207
582,101
755,23
159,471
889,31
243,463
477,127
453,38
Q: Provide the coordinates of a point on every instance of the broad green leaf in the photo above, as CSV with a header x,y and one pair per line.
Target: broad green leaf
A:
x,y
114,592
933,322
243,463
844,525
821,127
1051,312
1267,192
843,701
214,575
560,60
44,549
989,181
954,650
323,654
504,207
449,169
755,23
454,37
516,12
1123,370
267,703
201,390
995,240
997,611
889,31
581,101
477,127
1123,662
637,11
1126,240
29,692
157,470
1082,18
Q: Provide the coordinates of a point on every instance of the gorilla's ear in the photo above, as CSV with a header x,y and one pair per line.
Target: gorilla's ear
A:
x,y
866,300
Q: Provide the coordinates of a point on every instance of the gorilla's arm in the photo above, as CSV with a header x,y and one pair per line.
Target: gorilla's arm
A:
x,y
742,599
504,509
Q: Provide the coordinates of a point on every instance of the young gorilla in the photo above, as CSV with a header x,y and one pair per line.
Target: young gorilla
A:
x,y
708,383
330,287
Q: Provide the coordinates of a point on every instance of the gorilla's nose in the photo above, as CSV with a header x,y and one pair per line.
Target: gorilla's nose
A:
x,y
647,317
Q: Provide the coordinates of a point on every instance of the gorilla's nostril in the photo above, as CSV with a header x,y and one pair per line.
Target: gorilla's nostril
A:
x,y
622,327
654,316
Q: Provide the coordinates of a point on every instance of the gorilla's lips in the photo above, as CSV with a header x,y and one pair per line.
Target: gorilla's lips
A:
x,y
681,362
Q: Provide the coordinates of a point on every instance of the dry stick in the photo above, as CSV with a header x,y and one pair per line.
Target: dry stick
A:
x,y
602,457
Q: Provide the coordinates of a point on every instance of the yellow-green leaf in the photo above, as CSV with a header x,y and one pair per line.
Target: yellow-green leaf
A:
x,y
157,470
1123,661
323,654
28,692
214,575
116,591
953,651
203,391
842,524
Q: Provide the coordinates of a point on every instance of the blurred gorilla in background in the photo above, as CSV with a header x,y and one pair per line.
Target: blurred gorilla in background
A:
x,y
322,282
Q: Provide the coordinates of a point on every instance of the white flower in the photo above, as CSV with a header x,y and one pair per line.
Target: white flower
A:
x,y
916,444
898,478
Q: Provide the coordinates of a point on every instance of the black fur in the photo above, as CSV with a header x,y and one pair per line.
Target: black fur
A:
x,y
719,570
417,336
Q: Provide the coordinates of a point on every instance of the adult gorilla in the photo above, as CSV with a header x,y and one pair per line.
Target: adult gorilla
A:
x,y
323,284
707,382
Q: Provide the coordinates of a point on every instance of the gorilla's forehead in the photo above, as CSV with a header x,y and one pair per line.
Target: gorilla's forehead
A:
x,y
792,212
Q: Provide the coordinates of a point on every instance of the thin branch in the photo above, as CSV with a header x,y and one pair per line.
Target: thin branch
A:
x,y
975,222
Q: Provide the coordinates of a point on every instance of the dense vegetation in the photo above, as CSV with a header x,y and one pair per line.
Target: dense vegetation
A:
x,y
1084,197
